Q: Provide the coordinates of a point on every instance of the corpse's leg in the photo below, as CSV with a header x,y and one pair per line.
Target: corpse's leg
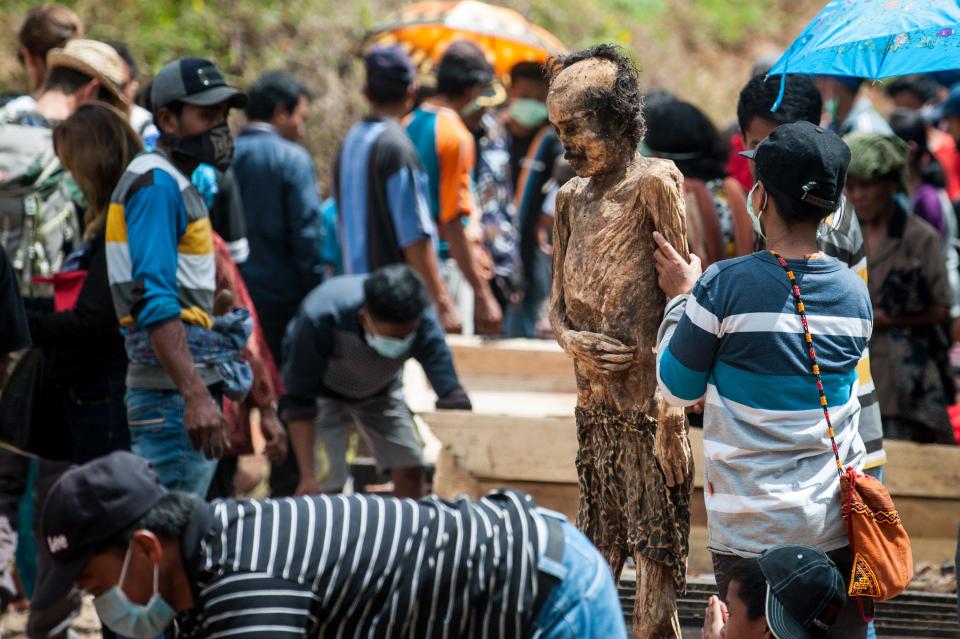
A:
x,y
655,611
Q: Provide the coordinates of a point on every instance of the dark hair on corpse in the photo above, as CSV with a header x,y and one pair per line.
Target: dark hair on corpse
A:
x,y
395,294
618,109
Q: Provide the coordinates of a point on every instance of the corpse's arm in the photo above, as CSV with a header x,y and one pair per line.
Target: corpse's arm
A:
x,y
601,352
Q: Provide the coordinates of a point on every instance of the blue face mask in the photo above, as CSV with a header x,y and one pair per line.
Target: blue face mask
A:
x,y
389,347
125,618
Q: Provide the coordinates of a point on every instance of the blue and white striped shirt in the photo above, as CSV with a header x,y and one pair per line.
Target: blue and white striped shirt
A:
x,y
737,341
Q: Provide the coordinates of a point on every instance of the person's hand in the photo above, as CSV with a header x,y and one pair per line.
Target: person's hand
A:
x,y
483,260
488,315
457,399
696,409
307,486
205,425
606,354
449,317
274,436
715,618
675,275
671,447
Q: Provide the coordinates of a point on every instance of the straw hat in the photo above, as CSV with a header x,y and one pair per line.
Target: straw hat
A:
x,y
96,59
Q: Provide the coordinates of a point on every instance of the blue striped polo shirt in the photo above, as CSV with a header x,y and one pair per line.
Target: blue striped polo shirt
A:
x,y
737,342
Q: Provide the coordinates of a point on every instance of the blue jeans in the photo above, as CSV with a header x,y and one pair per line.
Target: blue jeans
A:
x,y
158,435
585,604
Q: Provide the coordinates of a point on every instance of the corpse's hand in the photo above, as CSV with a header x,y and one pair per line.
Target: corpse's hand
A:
x,y
456,399
606,354
676,276
672,447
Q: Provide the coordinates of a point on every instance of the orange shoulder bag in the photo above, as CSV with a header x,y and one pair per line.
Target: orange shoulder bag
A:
x,y
879,546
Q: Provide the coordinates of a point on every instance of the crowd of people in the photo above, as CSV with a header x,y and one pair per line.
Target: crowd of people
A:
x,y
166,287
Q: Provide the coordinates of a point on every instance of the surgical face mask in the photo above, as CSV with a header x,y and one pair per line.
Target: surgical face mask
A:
x,y
754,216
214,146
389,347
125,618
527,113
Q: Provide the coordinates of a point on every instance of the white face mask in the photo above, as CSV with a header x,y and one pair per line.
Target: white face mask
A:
x,y
132,620
754,216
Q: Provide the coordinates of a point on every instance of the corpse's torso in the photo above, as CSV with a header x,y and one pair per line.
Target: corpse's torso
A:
x,y
609,280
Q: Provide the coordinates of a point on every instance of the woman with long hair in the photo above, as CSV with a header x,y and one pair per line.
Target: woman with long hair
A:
x,y
86,361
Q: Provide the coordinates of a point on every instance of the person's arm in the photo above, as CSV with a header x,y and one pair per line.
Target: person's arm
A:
x,y
930,254
155,218
431,351
406,189
304,211
489,316
457,156
307,346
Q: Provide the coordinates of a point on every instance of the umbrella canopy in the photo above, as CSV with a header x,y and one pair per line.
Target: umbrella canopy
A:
x,y
427,28
877,39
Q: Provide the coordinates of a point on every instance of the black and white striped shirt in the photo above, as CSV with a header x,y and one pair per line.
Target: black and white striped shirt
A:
x,y
363,566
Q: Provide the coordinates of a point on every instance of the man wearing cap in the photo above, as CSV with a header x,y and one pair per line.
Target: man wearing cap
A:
x,y
734,337
789,592
381,188
161,265
448,153
328,566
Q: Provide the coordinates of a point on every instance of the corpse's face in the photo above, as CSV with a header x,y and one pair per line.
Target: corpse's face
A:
x,y
588,145
739,625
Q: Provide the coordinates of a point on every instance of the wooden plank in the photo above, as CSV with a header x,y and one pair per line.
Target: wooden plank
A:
x,y
539,365
500,446
537,455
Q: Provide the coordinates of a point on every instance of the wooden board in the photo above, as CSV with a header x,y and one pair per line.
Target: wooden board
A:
x,y
534,365
537,455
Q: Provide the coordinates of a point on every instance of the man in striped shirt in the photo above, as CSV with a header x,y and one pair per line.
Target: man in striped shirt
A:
x,y
842,238
329,566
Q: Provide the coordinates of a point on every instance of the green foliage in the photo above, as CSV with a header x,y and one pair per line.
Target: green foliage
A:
x,y
681,45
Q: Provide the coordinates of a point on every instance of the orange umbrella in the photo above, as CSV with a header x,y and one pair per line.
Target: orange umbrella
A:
x,y
427,28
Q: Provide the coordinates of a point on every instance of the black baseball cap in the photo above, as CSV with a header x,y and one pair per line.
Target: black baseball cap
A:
x,y
194,81
389,67
805,591
805,162
87,506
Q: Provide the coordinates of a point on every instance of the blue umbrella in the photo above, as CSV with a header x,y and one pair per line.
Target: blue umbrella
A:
x,y
876,39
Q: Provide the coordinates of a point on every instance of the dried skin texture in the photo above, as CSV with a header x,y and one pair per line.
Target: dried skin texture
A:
x,y
633,462
604,277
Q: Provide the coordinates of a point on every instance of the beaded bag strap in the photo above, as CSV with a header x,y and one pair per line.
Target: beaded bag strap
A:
x,y
808,338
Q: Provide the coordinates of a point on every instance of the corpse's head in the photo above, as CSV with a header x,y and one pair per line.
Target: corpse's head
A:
x,y
595,105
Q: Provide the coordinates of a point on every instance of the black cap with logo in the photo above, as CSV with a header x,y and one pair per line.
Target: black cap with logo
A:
x,y
805,591
804,162
194,81
87,506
